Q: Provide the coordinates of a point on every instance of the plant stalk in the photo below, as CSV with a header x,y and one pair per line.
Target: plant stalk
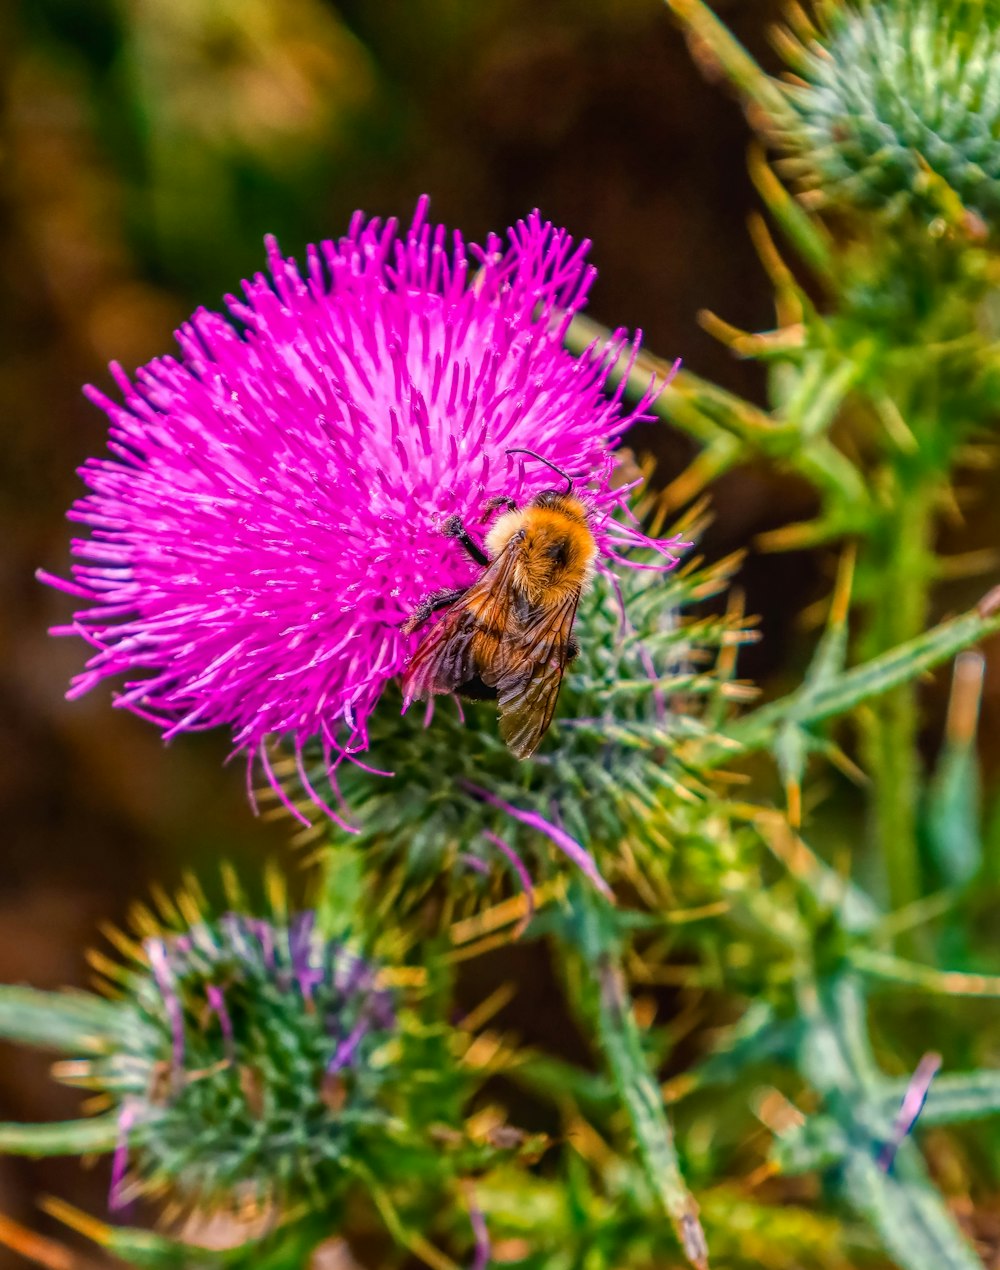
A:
x,y
640,1094
903,564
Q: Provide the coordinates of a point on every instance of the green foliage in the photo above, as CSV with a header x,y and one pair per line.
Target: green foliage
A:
x,y
738,936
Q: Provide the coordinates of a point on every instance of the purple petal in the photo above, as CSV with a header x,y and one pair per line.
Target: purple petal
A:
x,y
911,1107
218,1003
569,846
264,934
473,862
352,974
523,876
126,1119
483,1250
345,1050
159,964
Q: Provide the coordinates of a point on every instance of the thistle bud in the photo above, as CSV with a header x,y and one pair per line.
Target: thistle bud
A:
x,y
251,1064
897,108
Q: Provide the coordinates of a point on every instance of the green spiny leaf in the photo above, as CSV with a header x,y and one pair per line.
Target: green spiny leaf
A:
x,y
69,1137
907,1211
953,1098
65,1021
861,683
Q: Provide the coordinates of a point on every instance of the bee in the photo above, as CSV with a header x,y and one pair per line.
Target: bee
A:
x,y
509,636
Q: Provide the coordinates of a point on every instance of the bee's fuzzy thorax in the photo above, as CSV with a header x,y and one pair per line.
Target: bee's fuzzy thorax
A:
x,y
502,530
556,549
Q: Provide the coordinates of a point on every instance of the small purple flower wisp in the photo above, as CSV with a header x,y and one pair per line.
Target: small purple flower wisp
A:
x,y
217,1000
911,1107
159,964
271,508
483,1252
523,877
119,1162
574,850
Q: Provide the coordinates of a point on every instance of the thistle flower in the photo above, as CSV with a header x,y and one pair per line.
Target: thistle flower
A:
x,y
248,1063
897,106
272,507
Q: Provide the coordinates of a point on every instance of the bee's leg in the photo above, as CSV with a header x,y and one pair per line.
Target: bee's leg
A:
x,y
453,528
436,600
501,500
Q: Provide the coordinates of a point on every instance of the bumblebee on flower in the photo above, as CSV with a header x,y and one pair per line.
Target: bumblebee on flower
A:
x,y
509,636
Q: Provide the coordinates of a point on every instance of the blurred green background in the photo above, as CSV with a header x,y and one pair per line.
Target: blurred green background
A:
x,y
146,146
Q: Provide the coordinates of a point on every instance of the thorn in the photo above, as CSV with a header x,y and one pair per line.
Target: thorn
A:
x,y
763,1173
897,429
965,699
793,797
722,330
990,603
795,537
841,603
43,1252
76,1219
788,305
846,765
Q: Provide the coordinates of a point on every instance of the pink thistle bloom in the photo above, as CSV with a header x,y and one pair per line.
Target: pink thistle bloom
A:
x,y
271,509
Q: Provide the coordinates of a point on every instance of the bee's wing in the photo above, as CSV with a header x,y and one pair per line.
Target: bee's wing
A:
x,y
454,650
528,672
443,659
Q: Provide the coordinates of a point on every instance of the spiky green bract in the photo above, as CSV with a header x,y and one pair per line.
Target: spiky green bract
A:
x,y
639,685
899,109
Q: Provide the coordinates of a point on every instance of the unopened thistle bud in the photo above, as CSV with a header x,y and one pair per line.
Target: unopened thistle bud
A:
x,y
897,107
252,1065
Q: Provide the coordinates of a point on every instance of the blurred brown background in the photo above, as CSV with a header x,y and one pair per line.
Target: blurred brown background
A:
x,y
146,146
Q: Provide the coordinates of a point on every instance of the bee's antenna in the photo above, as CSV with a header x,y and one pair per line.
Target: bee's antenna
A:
x,y
568,479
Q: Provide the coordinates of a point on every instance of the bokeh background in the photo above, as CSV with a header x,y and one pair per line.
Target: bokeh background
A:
x,y
146,146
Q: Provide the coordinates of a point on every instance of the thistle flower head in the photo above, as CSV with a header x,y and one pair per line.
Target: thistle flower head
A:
x,y
250,1062
271,509
897,106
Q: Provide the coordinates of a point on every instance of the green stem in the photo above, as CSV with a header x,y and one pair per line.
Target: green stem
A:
x,y
640,1094
904,564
